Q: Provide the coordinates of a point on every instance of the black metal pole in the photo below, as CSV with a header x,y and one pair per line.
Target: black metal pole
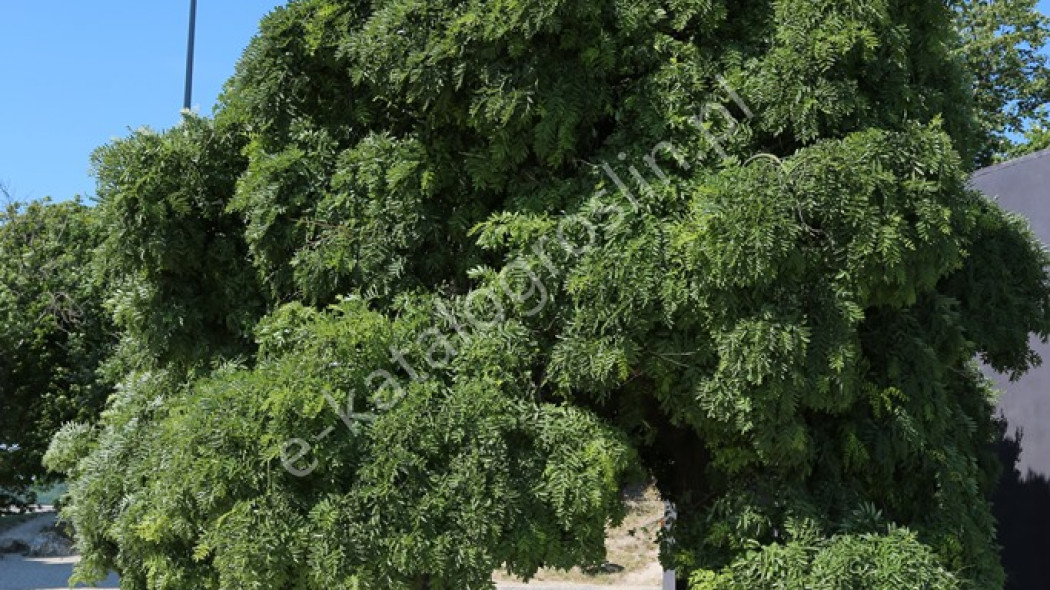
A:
x,y
188,102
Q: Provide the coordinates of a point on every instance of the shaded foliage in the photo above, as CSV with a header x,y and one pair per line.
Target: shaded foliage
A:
x,y
171,258
53,335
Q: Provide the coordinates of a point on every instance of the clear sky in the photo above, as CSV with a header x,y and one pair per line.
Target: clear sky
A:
x,y
76,73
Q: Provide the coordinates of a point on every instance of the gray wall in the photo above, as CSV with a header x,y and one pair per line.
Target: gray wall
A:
x,y
1023,186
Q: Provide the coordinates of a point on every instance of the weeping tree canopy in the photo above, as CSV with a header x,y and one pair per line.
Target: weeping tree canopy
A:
x,y
441,276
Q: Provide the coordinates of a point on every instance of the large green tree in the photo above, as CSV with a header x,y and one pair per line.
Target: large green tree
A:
x,y
54,334
441,275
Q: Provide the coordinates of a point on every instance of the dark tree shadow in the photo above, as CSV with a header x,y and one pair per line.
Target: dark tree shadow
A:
x,y
1021,504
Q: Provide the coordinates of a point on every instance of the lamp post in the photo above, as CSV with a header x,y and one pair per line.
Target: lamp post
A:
x,y
188,102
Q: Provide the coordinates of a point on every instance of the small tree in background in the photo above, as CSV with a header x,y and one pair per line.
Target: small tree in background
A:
x,y
441,275
1035,139
53,335
1004,47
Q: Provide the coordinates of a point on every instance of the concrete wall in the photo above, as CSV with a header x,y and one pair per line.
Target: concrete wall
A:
x,y
1022,501
1023,186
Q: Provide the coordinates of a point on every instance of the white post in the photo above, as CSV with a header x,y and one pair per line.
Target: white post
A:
x,y
670,514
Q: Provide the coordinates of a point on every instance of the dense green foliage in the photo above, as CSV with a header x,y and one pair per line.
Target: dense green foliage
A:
x,y
487,475
441,275
53,335
812,560
172,259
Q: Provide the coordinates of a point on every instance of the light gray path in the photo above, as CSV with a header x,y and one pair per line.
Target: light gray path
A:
x,y
41,573
37,573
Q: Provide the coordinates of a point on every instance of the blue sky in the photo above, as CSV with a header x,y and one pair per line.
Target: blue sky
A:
x,y
76,73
